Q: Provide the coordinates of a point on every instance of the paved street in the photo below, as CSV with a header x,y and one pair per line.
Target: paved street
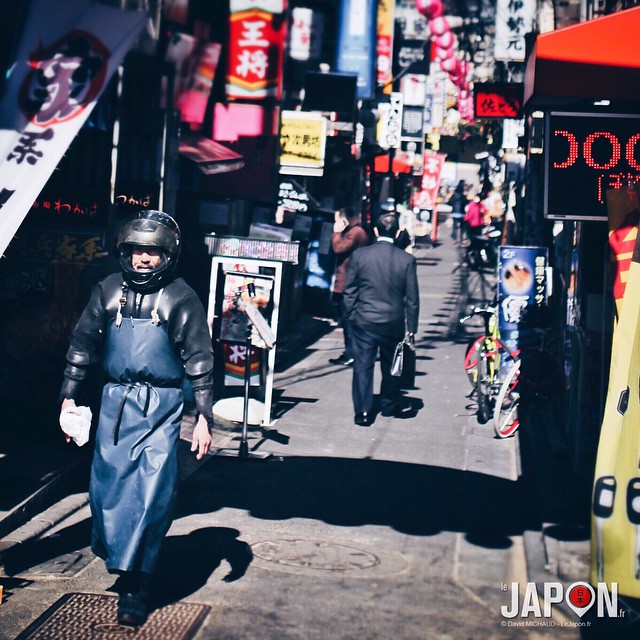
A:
x,y
412,528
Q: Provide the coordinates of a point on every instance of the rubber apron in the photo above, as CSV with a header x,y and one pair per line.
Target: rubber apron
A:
x,y
134,474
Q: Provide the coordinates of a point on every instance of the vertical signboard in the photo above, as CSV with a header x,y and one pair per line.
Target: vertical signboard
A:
x,y
522,289
427,196
513,21
357,42
384,44
256,43
390,124
307,30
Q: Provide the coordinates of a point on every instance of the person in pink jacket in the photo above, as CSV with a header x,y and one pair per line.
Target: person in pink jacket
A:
x,y
475,218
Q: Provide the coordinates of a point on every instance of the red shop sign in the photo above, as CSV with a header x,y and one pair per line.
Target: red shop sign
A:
x,y
256,45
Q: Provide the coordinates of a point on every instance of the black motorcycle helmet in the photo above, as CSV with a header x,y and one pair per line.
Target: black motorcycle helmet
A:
x,y
154,230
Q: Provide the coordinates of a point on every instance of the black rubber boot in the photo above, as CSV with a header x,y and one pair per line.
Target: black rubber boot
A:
x,y
133,601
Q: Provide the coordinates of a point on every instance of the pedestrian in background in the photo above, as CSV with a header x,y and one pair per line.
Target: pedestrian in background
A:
x,y
150,331
382,302
458,202
475,218
348,235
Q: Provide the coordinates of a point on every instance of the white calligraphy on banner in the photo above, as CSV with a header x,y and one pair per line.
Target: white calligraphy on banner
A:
x,y
514,19
61,68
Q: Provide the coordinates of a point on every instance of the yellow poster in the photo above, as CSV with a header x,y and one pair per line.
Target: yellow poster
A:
x,y
303,138
615,530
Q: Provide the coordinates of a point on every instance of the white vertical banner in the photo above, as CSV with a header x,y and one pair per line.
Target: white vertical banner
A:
x,y
513,21
68,52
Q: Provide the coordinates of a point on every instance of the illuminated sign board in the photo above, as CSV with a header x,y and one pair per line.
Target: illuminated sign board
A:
x,y
498,99
586,154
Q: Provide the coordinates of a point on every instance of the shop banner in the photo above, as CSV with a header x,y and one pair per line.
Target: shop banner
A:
x,y
384,44
426,198
357,42
522,289
61,68
513,21
307,32
257,30
615,518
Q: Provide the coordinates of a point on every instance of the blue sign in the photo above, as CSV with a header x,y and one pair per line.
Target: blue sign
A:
x,y
357,42
522,289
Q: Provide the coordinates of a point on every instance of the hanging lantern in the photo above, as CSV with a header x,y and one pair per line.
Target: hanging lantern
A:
x,y
441,53
444,40
449,64
438,26
430,8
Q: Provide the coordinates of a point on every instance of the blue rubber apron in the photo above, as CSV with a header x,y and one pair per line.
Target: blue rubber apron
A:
x,y
134,474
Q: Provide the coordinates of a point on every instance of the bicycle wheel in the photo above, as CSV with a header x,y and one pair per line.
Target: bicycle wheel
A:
x,y
472,355
484,389
505,414
471,359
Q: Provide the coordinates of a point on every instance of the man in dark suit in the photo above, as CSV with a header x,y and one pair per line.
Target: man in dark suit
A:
x,y
382,303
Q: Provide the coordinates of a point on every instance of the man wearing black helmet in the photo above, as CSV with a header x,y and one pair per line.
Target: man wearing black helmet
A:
x,y
149,330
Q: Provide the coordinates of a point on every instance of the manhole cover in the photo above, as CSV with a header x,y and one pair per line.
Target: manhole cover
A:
x,y
90,616
311,557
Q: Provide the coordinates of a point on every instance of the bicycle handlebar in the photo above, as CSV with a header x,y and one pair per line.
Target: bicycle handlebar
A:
x,y
488,311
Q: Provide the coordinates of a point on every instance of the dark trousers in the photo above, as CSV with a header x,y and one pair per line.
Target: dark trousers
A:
x,y
366,343
341,317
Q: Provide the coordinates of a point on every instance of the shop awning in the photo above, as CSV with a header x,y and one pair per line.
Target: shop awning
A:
x,y
594,60
400,165
210,156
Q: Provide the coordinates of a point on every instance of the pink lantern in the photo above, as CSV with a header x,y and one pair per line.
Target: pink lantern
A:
x,y
439,26
444,40
443,53
430,8
464,94
449,64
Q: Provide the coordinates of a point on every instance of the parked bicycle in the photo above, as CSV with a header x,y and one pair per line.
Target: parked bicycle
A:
x,y
482,251
487,361
536,374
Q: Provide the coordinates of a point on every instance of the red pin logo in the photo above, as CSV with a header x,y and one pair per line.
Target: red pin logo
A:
x,y
580,596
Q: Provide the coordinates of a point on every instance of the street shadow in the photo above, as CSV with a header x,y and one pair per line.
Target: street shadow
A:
x,y
37,551
193,558
413,499
283,404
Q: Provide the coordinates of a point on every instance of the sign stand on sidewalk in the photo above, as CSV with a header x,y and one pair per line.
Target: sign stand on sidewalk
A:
x,y
254,321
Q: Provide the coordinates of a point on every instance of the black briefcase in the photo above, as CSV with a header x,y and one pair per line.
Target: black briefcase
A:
x,y
408,376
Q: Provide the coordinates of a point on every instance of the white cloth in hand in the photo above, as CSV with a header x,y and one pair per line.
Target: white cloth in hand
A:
x,y
76,423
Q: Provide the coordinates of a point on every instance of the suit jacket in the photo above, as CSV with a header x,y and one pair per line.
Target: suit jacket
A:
x,y
381,290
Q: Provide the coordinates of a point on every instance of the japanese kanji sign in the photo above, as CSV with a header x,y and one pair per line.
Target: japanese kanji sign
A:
x,y
61,68
303,138
514,19
432,170
257,32
498,99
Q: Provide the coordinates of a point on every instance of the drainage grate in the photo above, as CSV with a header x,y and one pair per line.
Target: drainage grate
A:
x,y
91,616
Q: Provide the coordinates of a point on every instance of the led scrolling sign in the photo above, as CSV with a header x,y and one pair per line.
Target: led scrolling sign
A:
x,y
586,154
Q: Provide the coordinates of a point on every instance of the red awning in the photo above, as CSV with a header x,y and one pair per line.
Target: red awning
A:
x,y
595,60
381,164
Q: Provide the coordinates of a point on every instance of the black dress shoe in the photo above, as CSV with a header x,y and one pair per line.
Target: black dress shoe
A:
x,y
347,362
363,419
